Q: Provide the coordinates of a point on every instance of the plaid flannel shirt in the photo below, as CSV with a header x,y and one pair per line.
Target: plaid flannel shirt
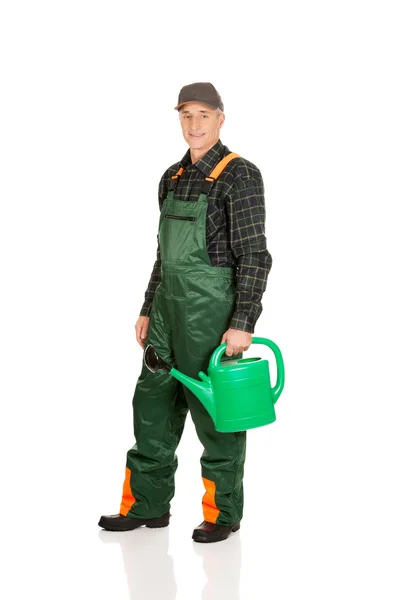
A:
x,y
235,228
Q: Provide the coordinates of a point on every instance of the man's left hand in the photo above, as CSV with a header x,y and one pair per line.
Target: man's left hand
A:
x,y
236,341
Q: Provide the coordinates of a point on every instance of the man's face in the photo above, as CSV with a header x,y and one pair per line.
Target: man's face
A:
x,y
200,125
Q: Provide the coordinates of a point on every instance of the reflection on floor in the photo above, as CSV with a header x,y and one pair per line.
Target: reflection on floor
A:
x,y
149,568
221,564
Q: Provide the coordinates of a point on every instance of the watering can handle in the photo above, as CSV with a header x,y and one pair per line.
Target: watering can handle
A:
x,y
280,369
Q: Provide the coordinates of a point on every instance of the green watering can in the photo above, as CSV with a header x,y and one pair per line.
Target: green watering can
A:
x,y
236,393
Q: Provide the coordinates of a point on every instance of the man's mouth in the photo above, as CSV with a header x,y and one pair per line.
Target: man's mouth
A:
x,y
196,134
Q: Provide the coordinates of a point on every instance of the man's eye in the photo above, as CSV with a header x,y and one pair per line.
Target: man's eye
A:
x,y
205,116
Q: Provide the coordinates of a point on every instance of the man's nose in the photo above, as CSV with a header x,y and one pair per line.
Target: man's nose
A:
x,y
196,123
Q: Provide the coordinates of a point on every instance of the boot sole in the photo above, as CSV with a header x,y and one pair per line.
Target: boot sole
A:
x,y
203,538
151,524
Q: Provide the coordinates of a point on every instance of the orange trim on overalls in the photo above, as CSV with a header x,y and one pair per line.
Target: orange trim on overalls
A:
x,y
210,509
128,500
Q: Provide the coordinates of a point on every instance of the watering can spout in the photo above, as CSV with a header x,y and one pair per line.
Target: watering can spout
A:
x,y
202,390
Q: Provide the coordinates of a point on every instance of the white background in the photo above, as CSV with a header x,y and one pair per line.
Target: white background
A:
x,y
311,93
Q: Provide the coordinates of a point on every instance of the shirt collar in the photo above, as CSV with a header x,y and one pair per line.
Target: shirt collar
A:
x,y
208,161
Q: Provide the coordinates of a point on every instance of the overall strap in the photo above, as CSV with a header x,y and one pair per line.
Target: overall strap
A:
x,y
208,181
216,172
172,183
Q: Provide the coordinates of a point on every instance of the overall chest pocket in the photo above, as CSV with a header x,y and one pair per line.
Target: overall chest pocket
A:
x,y
179,218
177,236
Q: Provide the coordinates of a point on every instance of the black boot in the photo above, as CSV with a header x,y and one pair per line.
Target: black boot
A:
x,y
211,532
121,523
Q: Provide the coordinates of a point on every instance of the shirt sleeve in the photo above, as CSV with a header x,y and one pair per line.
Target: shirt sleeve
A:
x,y
246,216
155,277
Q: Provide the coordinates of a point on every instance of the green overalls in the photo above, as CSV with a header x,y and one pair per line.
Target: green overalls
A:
x,y
190,312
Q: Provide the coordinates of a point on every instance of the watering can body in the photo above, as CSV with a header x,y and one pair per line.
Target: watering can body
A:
x,y
237,393
243,397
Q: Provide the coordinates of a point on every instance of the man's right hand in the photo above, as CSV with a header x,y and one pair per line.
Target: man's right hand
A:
x,y
142,325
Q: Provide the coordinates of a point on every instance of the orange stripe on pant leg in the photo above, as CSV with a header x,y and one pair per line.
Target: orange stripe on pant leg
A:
x,y
210,509
127,499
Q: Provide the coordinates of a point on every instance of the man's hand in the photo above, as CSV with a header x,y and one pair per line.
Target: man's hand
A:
x,y
236,341
142,325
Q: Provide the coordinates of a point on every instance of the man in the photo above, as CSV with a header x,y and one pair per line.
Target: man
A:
x,y
205,289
